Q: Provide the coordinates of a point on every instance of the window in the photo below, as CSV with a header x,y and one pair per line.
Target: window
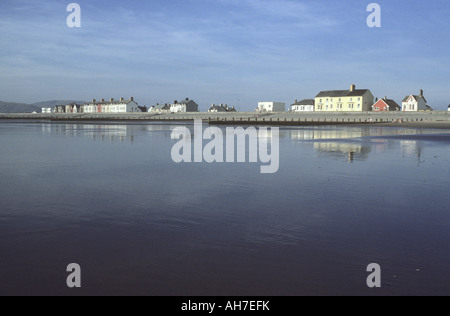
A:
x,y
359,99
359,106
331,107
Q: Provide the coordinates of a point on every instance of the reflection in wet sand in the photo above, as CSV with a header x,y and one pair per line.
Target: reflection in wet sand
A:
x,y
351,143
105,132
200,229
336,150
357,143
336,143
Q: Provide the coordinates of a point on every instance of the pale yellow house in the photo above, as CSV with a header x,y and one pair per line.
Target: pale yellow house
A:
x,y
352,100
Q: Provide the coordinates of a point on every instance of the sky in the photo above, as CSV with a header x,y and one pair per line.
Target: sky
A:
x,y
235,52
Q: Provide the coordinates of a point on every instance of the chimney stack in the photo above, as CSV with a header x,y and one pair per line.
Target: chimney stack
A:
x,y
132,99
175,102
103,100
111,100
296,101
421,92
352,87
93,100
121,99
187,99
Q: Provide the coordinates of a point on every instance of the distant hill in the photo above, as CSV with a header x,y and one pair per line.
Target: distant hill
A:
x,y
10,107
49,104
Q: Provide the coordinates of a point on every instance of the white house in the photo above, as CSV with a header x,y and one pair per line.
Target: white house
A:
x,y
69,108
271,107
184,106
415,103
73,108
306,105
160,108
120,106
46,110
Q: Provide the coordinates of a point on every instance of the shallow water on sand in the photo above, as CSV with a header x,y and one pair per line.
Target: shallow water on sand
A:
x,y
110,198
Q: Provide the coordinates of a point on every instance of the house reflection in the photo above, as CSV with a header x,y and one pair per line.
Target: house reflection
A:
x,y
321,133
357,143
351,151
102,132
337,143
412,148
106,132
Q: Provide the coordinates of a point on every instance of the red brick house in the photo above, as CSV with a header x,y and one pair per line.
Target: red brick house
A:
x,y
386,105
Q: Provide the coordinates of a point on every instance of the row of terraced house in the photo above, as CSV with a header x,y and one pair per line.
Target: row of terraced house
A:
x,y
100,106
359,100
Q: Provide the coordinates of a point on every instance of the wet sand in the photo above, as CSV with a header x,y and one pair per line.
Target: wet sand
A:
x,y
435,125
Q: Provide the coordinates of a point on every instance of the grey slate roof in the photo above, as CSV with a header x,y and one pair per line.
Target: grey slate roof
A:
x,y
217,108
416,97
184,102
162,107
342,93
220,108
305,102
109,102
392,104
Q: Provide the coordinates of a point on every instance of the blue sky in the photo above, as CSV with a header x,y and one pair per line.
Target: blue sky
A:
x,y
237,52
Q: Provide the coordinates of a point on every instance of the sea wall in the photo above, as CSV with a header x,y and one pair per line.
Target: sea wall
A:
x,y
252,118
